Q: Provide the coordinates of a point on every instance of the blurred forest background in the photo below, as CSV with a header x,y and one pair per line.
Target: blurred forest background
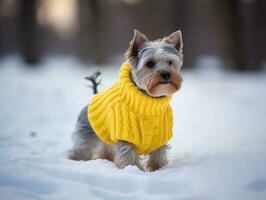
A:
x,y
98,31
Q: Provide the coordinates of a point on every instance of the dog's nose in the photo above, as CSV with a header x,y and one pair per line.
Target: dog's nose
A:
x,y
165,75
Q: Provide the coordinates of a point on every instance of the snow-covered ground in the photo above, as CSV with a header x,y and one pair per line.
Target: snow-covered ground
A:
x,y
218,149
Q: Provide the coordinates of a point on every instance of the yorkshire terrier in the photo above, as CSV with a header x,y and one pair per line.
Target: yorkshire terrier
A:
x,y
155,72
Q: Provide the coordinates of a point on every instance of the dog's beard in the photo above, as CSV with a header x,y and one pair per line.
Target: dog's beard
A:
x,y
157,88
160,90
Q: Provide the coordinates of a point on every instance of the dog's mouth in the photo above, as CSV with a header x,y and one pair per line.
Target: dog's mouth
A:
x,y
165,88
166,82
169,83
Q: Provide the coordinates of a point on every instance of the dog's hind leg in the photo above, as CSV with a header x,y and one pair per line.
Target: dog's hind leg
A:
x,y
82,147
84,139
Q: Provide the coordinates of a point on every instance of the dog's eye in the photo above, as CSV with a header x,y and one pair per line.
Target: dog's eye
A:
x,y
170,62
150,64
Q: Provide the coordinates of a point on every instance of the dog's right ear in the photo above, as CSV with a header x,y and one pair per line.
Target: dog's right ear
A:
x,y
138,39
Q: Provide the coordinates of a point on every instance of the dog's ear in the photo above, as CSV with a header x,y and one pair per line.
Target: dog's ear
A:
x,y
176,39
138,39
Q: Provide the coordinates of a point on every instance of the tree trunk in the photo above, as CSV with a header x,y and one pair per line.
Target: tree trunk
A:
x,y
28,32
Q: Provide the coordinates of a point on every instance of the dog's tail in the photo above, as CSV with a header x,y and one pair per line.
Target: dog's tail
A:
x,y
93,79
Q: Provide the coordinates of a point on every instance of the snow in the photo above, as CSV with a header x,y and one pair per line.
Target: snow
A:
x,y
218,149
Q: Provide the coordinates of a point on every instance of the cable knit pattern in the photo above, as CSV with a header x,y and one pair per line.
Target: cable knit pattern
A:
x,y
123,112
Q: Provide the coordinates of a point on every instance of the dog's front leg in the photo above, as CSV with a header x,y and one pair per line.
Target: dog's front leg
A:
x,y
126,155
158,158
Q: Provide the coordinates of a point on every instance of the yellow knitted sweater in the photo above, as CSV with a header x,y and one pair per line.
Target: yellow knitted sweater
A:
x,y
123,112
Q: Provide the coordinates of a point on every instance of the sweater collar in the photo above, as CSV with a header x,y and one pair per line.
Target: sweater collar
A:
x,y
135,98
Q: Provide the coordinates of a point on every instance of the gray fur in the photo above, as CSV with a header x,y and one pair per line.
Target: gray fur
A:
x,y
126,155
158,158
84,139
86,144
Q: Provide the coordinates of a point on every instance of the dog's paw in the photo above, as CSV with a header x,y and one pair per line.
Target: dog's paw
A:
x,y
122,164
153,166
72,155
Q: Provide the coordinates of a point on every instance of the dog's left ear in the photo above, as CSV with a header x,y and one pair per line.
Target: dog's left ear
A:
x,y
176,39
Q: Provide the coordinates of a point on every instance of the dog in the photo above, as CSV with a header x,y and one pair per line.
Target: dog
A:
x,y
153,68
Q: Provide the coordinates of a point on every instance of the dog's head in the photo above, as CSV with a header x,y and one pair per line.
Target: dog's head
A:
x,y
156,64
